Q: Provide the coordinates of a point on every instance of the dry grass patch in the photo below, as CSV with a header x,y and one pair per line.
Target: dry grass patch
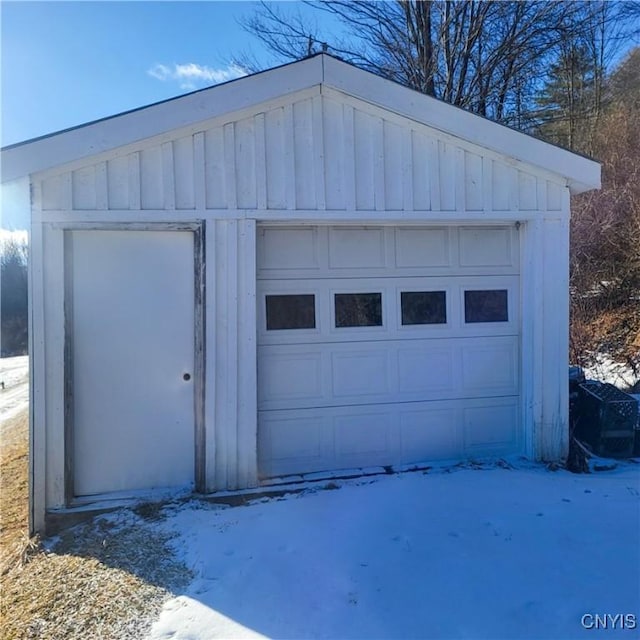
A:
x,y
104,579
14,491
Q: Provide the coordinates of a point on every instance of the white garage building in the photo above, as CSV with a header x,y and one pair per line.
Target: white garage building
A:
x,y
311,269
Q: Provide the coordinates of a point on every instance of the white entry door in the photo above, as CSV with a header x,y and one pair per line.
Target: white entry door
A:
x,y
132,337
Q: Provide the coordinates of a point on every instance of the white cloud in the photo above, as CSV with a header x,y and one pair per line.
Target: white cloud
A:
x,y
191,75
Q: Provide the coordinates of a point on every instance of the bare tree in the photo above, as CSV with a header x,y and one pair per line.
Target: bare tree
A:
x,y
573,95
605,228
486,56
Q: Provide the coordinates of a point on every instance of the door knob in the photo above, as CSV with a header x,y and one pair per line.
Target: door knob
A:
x,y
186,377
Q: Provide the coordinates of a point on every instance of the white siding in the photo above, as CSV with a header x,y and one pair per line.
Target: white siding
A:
x,y
231,416
183,167
313,154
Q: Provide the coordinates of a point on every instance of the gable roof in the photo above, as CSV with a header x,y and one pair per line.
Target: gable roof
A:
x,y
84,141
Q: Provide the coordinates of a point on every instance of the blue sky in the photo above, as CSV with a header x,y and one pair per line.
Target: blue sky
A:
x,y
66,63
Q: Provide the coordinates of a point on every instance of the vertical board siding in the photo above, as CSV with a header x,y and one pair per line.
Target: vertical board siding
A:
x,y
231,340
84,188
118,183
289,158
168,176
135,193
554,196
335,153
473,182
555,344
393,181
527,191
275,164
317,153
184,173
303,149
214,169
229,155
230,238
151,182
199,178
363,144
260,156
420,172
247,455
101,185
378,164
57,192
434,174
245,164
500,189
54,307
447,171
406,170
349,159
37,363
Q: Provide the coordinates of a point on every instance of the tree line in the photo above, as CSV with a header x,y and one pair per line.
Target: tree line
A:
x,y
13,297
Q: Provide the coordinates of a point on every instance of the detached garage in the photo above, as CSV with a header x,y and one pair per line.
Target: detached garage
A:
x,y
311,270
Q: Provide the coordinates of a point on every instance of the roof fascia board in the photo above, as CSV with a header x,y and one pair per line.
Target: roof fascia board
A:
x,y
581,173
119,130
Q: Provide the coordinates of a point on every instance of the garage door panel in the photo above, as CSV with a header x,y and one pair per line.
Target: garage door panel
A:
x,y
291,376
425,370
310,440
292,442
360,374
362,248
420,247
486,247
363,438
429,434
297,376
491,427
288,249
491,367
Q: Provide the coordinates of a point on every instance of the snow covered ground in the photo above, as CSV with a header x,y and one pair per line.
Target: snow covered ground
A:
x,y
453,553
14,392
616,373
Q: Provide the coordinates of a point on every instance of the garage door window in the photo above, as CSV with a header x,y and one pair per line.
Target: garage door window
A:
x,y
358,309
489,305
296,311
423,307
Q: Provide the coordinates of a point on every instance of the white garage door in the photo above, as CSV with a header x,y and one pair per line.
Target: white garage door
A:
x,y
386,346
